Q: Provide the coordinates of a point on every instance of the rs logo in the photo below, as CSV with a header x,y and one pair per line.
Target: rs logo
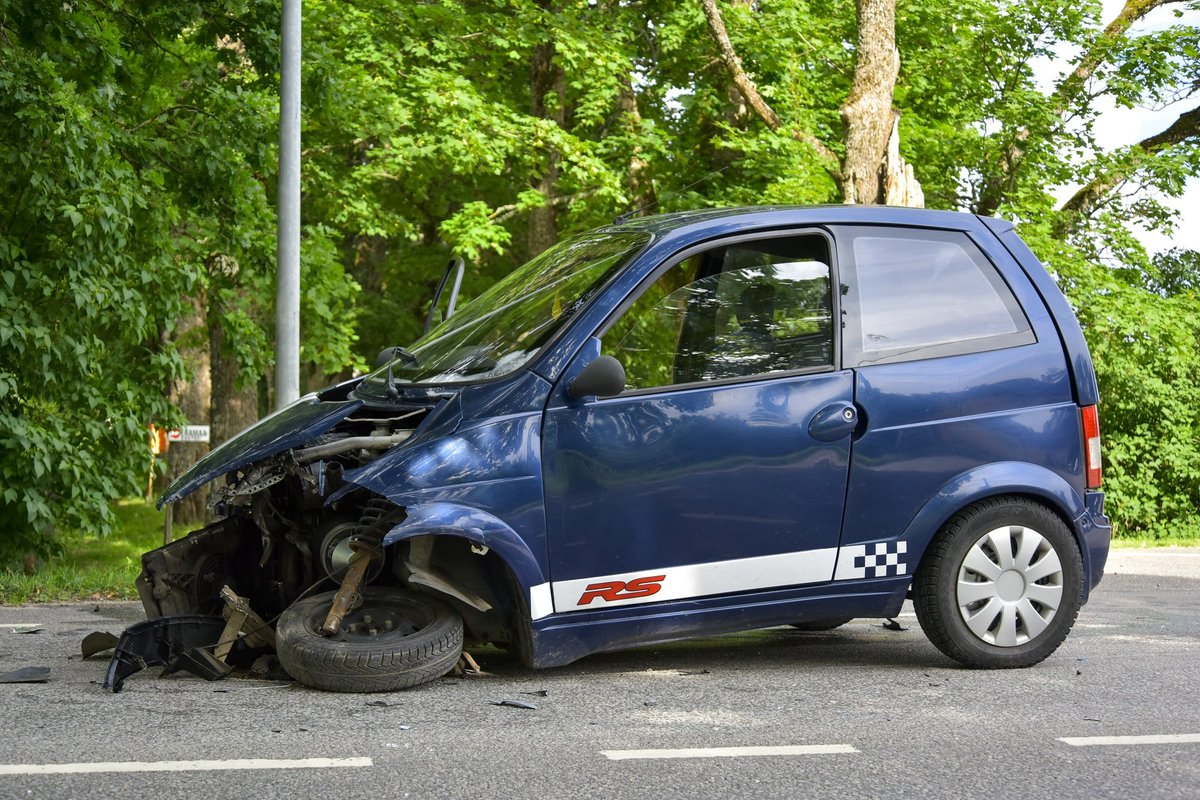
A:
x,y
622,590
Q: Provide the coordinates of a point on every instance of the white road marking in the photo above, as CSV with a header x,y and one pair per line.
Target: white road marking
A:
x,y
182,766
729,752
1170,738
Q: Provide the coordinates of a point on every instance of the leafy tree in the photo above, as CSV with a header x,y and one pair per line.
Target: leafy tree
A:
x,y
138,144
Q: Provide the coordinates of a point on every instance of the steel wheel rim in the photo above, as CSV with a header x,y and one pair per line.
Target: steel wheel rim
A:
x,y
375,619
1010,586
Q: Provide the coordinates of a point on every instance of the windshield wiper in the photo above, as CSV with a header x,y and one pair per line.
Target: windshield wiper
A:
x,y
389,355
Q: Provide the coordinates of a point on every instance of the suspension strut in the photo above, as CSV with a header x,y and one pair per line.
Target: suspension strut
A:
x,y
366,546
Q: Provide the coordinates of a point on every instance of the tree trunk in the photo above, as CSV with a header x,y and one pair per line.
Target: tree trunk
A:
x,y
234,406
548,87
867,112
641,187
192,397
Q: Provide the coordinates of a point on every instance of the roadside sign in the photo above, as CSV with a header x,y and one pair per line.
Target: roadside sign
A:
x,y
189,433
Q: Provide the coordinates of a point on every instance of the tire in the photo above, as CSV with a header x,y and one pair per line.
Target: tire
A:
x,y
821,624
1000,585
424,645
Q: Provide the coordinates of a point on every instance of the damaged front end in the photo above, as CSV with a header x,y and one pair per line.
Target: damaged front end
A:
x,y
315,534
278,534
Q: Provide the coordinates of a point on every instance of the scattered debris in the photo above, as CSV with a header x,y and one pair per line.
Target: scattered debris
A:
x,y
22,628
381,704
27,675
161,641
515,704
468,666
538,692
892,625
97,642
695,672
241,619
1090,719
650,703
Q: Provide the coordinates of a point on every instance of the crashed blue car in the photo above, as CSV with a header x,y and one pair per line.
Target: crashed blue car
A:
x,y
679,426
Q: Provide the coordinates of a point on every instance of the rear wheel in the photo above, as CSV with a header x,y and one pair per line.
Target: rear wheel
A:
x,y
1001,585
393,639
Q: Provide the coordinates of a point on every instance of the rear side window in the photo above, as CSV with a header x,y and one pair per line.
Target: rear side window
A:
x,y
914,294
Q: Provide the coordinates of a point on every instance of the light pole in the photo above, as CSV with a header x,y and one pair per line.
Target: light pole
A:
x,y
287,295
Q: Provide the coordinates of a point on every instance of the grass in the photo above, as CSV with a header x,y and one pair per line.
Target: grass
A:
x,y
93,568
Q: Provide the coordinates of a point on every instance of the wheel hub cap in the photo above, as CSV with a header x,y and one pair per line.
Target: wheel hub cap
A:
x,y
1010,586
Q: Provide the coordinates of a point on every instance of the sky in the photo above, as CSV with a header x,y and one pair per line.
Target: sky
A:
x,y
1123,126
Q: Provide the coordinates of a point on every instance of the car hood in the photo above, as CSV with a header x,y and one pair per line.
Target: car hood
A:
x,y
290,426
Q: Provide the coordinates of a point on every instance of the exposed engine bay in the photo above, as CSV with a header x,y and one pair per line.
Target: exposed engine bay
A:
x,y
290,527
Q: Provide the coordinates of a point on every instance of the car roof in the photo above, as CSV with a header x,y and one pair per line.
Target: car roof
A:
x,y
748,218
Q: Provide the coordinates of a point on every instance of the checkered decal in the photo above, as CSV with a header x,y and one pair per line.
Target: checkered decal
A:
x,y
879,560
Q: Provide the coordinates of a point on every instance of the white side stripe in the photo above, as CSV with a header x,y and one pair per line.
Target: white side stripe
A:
x,y
182,766
729,752
541,603
695,580
1092,741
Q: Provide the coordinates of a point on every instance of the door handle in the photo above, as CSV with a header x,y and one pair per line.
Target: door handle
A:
x,y
833,422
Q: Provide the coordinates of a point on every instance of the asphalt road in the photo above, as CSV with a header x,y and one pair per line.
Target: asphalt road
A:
x,y
868,712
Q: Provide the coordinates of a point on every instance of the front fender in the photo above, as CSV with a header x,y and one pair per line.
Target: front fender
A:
x,y
483,528
993,480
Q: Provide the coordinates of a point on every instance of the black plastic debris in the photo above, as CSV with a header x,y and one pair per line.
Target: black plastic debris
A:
x,y
538,692
97,642
201,661
381,704
892,625
515,704
27,675
161,642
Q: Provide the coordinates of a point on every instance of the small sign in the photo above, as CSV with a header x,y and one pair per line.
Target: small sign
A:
x,y
189,433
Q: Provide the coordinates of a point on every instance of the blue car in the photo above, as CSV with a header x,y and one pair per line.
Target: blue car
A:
x,y
679,426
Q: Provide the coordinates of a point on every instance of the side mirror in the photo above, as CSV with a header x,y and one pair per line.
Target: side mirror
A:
x,y
604,377
385,355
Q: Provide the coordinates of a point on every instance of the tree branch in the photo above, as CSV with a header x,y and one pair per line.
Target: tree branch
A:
x,y
1097,54
1089,198
1067,92
745,85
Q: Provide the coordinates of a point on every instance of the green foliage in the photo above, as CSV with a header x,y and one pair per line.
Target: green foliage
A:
x,y
92,568
139,143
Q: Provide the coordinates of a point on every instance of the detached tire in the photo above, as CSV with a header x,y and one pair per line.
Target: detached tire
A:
x,y
394,640
1000,585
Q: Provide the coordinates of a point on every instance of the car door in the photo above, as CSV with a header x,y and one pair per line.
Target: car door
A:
x,y
722,467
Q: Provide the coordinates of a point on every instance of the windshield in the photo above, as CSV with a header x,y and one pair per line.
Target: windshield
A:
x,y
502,329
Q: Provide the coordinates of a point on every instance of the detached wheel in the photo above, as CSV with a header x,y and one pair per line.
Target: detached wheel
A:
x,y
1001,585
393,640
821,624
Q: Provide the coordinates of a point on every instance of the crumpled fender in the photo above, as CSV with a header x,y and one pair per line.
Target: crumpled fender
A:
x,y
476,526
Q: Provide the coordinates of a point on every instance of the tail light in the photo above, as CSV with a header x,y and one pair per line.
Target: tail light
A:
x,y
1091,445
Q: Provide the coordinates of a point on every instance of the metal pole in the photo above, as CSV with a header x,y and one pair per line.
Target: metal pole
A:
x,y
287,297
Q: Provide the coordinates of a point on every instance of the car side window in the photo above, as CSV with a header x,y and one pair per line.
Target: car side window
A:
x,y
737,311
915,294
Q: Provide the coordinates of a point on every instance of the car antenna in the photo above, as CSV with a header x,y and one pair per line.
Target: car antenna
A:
x,y
625,216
